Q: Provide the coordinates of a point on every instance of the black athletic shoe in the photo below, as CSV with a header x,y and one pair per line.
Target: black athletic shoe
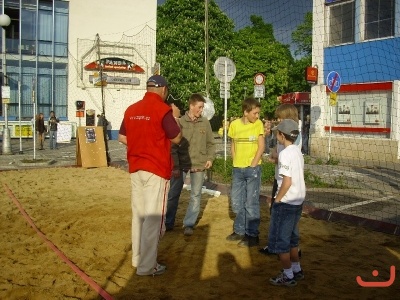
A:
x,y
266,251
234,237
282,279
298,275
249,241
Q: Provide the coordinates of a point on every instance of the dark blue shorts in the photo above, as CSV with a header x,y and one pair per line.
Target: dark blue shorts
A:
x,y
283,229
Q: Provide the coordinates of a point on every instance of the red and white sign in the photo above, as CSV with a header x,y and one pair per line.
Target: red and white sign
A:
x,y
115,64
311,75
296,98
259,79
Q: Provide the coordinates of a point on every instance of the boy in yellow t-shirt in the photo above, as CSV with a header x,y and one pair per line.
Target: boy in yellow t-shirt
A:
x,y
247,134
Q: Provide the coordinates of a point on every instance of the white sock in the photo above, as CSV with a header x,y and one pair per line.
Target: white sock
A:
x,y
296,266
288,273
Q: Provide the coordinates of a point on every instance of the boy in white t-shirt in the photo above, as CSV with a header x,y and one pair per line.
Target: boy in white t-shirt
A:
x,y
283,237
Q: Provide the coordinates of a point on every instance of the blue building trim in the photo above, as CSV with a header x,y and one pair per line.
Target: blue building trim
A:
x,y
372,61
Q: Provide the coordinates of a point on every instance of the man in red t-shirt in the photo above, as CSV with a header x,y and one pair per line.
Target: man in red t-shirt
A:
x,y
148,128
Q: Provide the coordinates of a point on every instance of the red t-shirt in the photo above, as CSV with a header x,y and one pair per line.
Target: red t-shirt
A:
x,y
148,129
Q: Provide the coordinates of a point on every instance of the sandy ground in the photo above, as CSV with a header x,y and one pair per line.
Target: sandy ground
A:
x,y
86,214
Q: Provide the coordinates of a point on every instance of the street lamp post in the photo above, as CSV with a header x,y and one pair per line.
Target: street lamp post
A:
x,y
4,22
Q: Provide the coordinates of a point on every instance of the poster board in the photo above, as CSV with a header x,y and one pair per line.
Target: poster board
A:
x,y
344,113
372,112
90,147
64,133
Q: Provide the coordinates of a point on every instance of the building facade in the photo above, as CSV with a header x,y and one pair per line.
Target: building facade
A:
x,y
56,52
355,104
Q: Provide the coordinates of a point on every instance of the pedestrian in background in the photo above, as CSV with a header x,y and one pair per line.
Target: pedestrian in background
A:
x,y
147,129
306,134
40,129
53,123
267,135
103,123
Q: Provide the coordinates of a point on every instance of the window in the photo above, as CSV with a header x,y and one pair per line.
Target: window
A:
x,y
61,29
341,23
12,31
379,18
28,31
45,33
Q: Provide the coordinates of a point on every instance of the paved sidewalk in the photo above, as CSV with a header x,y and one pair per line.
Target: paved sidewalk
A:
x,y
65,155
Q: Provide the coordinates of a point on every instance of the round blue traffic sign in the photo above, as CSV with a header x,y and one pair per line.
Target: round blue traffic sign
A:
x,y
333,81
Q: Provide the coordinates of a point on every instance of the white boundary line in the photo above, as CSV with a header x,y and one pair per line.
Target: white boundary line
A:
x,y
340,208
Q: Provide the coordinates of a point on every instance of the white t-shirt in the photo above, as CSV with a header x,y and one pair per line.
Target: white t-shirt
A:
x,y
291,164
279,147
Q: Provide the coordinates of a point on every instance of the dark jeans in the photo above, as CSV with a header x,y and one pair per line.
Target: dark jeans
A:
x,y
273,194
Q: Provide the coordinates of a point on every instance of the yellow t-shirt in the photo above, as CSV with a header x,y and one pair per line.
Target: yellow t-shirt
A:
x,y
245,140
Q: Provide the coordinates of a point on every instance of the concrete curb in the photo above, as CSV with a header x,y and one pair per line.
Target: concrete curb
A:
x,y
327,215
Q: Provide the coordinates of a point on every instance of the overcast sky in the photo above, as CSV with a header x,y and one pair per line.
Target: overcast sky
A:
x,y
285,15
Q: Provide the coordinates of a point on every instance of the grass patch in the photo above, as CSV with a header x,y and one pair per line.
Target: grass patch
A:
x,y
222,171
332,161
318,161
307,159
313,180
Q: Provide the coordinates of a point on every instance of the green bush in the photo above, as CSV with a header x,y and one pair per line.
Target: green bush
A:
x,y
222,173
267,172
222,170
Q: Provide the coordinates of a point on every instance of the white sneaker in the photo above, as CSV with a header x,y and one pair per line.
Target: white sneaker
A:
x,y
158,270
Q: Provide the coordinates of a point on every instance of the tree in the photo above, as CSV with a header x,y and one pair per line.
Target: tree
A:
x,y
297,82
257,51
181,43
302,37
181,54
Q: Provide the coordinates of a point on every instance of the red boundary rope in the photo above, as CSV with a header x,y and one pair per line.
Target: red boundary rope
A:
x,y
76,269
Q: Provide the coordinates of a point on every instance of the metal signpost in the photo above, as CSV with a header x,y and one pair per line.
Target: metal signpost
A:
x,y
19,118
4,22
5,92
333,82
225,71
34,118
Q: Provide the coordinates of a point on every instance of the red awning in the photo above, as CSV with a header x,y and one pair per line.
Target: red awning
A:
x,y
296,98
